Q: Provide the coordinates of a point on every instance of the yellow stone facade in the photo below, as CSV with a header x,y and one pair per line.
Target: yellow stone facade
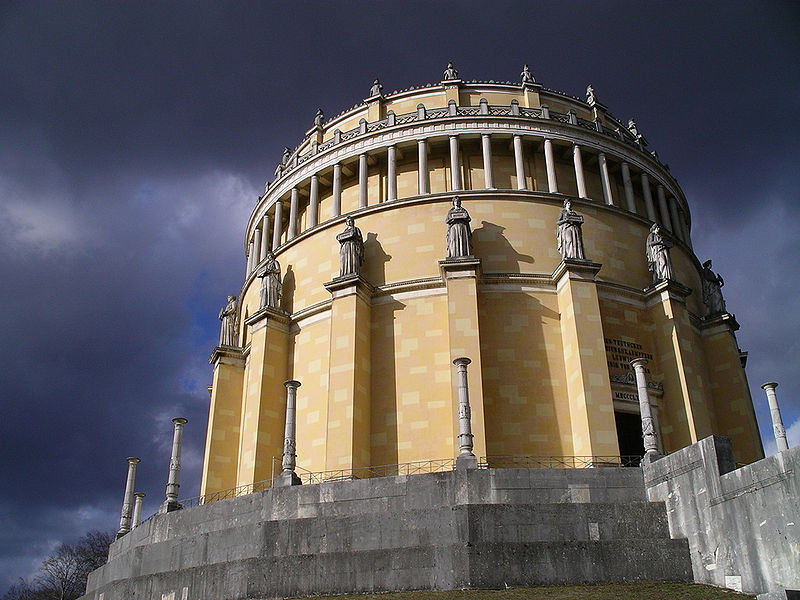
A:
x,y
550,341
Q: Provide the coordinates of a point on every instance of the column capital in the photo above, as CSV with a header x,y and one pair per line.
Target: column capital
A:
x,y
769,385
638,363
132,460
180,421
139,494
292,384
464,361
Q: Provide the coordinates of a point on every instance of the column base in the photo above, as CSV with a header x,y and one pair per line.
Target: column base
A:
x,y
287,479
121,533
170,506
466,462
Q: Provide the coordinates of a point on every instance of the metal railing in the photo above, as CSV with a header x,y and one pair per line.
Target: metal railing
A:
x,y
557,462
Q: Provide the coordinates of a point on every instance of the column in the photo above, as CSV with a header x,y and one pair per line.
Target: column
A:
x,y
628,185
648,199
127,502
455,165
552,185
288,476
313,202
171,502
337,190
249,268
264,237
137,508
579,178
391,173
775,413
486,148
277,228
663,212
676,222
466,458
256,247
519,162
605,179
424,186
294,207
648,426
362,180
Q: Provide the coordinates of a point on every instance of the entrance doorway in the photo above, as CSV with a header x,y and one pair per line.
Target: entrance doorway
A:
x,y
629,436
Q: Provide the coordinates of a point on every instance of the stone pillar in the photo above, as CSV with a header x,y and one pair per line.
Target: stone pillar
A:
x,y
579,178
648,425
391,173
337,190
648,199
605,180
552,184
171,502
663,212
264,238
294,209
424,186
137,508
313,202
256,248
277,227
676,221
628,185
127,502
519,162
249,267
775,413
466,458
362,181
288,476
455,164
486,149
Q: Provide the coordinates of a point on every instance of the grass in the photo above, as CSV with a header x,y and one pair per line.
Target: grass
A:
x,y
606,591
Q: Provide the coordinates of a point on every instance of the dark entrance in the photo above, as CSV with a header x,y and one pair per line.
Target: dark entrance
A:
x,y
629,436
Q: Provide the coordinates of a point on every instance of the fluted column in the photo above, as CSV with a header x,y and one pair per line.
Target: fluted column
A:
x,y
663,211
486,149
137,508
775,413
648,426
648,198
264,237
464,413
455,164
549,161
289,442
277,228
127,502
362,181
424,185
337,190
579,177
256,247
605,180
171,502
294,207
628,185
391,173
519,162
676,221
313,202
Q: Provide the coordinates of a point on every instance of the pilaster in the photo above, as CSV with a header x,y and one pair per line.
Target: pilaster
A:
x,y
591,405
348,428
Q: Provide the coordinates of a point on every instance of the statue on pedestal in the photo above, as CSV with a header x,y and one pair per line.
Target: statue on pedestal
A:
x,y
658,260
351,249
526,75
632,128
712,290
450,73
569,234
285,155
270,282
318,118
459,234
228,327
376,89
590,99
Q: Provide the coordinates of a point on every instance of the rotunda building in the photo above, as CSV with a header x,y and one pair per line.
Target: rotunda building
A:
x,y
549,302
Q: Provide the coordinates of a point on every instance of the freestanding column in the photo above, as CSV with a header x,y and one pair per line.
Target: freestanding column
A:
x,y
313,202
171,503
628,185
256,247
288,476
486,148
362,181
605,179
422,168
648,427
127,502
775,413
264,238
579,178
294,207
137,508
455,164
662,208
648,198
519,162
250,264
278,225
552,184
391,173
465,458
337,189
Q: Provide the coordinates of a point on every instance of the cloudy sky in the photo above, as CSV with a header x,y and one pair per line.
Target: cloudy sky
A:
x,y
135,138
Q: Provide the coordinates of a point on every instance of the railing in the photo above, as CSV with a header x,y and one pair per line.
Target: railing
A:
x,y
557,462
409,468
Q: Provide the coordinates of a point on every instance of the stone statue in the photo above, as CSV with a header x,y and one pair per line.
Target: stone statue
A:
x,y
376,89
450,73
227,330
590,94
266,187
658,260
632,128
270,282
351,249
569,234
319,118
285,155
459,234
526,75
712,290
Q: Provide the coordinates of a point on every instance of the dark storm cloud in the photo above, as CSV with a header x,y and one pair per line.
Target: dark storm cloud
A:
x,y
135,137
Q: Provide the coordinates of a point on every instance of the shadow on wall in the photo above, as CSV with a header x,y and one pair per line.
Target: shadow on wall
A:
x,y
287,291
495,251
375,260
